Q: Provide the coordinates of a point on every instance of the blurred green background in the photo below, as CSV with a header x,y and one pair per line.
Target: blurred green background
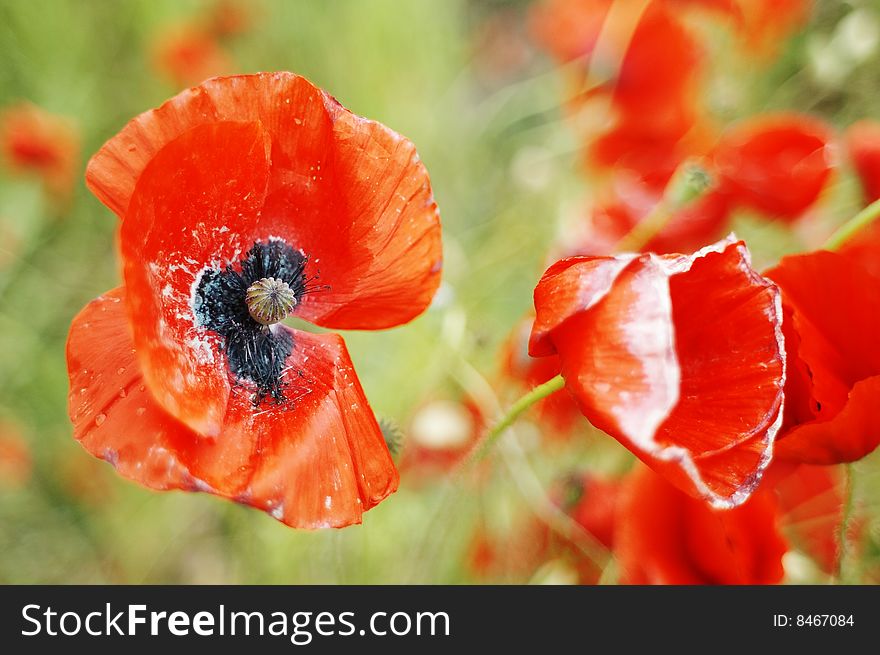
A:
x,y
482,104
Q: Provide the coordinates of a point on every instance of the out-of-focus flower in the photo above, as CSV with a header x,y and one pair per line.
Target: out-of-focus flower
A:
x,y
558,409
863,148
680,358
229,17
832,319
811,500
36,141
85,479
590,500
236,196
862,142
686,229
664,536
188,53
16,463
501,47
775,163
440,435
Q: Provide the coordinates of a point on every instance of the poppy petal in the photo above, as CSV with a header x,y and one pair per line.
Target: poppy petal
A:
x,y
169,237
664,536
679,358
349,192
811,499
835,316
777,164
320,463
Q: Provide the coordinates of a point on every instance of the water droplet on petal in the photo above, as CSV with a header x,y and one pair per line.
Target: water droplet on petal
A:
x,y
100,418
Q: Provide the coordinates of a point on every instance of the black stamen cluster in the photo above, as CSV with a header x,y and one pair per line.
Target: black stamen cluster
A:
x,y
253,351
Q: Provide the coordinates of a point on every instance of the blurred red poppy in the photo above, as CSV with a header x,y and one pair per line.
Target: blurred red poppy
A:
x,y
590,500
186,54
811,500
680,358
236,196
863,146
862,141
440,435
664,536
230,17
569,29
702,221
776,164
558,409
16,462
832,319
34,140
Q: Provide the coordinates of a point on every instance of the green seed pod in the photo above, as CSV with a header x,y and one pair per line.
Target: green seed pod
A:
x,y
270,300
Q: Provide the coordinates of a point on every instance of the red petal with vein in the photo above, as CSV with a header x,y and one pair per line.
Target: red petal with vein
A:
x,y
776,164
349,192
321,463
680,358
197,204
664,536
834,306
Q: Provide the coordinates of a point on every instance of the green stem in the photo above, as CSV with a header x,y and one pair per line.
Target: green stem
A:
x,y
853,226
848,503
538,393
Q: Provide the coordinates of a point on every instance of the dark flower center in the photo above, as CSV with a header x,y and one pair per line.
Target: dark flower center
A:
x,y
269,279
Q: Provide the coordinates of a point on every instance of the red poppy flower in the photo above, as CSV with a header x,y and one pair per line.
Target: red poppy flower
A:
x,y
558,409
230,17
704,220
863,146
680,358
862,141
832,309
776,164
666,537
660,68
650,153
187,54
569,29
811,502
236,196
15,457
33,140
590,500
440,435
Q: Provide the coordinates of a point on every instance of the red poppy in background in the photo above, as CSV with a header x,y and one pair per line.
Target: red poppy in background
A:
x,y
680,358
702,221
811,500
230,17
16,462
236,196
862,141
664,536
590,500
863,147
441,434
832,310
34,140
187,54
558,409
776,164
